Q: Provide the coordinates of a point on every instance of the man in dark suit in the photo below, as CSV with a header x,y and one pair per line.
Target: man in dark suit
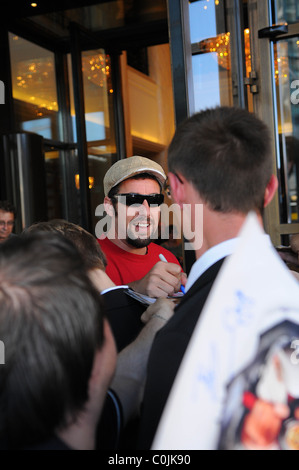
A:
x,y
219,162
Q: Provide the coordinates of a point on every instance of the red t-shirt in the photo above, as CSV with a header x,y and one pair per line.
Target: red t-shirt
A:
x,y
124,267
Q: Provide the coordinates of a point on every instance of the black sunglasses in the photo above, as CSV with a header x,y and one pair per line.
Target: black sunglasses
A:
x,y
134,198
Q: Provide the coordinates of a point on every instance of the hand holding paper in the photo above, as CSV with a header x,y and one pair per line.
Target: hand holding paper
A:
x,y
161,281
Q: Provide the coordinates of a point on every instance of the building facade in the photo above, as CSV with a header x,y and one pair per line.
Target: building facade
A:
x,y
86,83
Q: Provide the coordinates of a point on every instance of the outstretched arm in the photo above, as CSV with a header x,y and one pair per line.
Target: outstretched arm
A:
x,y
131,367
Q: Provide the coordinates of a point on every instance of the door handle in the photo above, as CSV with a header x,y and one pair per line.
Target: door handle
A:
x,y
273,31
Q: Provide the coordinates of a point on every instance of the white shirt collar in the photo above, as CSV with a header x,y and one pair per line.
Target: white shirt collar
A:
x,y
209,258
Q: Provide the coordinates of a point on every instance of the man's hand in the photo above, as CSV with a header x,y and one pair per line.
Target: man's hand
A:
x,y
162,280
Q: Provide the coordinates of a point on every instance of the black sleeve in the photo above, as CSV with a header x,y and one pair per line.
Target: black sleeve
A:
x,y
123,313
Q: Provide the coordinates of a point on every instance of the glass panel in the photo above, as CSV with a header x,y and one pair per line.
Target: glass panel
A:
x,y
98,93
286,72
202,20
211,60
63,185
99,120
72,183
212,73
54,185
98,99
97,166
287,11
34,88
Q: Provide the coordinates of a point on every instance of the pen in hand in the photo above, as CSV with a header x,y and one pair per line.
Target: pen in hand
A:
x,y
162,258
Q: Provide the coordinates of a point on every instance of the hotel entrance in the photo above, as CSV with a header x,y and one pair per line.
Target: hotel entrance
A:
x,y
105,80
94,82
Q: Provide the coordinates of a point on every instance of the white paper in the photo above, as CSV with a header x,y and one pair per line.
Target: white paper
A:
x,y
146,300
253,291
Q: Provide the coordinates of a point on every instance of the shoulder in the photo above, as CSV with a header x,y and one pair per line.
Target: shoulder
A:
x,y
110,249
104,242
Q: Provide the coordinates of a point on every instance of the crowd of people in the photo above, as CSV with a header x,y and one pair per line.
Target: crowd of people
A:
x,y
84,360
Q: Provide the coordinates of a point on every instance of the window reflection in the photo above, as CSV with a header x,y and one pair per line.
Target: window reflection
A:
x,y
286,69
202,20
99,121
34,88
98,100
287,11
54,184
211,54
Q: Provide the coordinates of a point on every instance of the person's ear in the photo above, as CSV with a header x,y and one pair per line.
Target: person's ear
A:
x,y
176,181
270,190
109,206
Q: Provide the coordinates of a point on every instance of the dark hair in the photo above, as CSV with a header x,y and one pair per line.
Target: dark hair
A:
x,y
51,324
6,206
84,241
140,176
225,153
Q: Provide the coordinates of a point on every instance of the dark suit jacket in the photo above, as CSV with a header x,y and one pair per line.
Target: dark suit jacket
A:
x,y
167,353
123,313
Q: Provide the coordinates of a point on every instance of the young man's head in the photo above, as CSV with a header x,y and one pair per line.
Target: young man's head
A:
x,y
226,154
52,327
85,242
7,220
133,190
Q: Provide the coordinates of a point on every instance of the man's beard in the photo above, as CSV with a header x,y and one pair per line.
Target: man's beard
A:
x,y
140,242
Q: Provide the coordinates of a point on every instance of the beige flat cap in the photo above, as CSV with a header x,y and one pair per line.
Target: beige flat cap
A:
x,y
131,166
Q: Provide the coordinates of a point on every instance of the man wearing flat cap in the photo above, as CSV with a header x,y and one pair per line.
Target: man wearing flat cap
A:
x,y
133,196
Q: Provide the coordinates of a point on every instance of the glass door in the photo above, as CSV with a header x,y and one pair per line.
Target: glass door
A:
x,y
246,53
44,104
221,53
98,97
276,29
